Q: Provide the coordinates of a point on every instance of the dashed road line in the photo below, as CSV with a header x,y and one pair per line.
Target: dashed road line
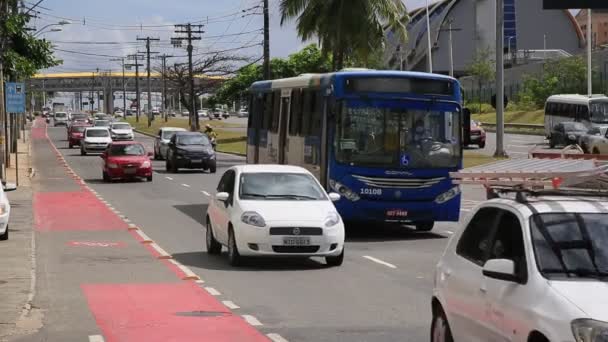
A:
x,y
230,305
213,291
169,178
145,238
276,338
206,193
188,274
96,338
252,320
185,185
449,232
381,262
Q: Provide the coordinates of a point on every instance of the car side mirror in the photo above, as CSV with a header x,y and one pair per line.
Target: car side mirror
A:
x,y
150,154
501,269
334,196
222,196
9,187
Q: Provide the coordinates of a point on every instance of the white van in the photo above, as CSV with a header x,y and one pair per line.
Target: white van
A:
x,y
592,111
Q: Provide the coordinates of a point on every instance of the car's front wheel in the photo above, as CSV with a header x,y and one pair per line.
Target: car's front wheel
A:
x,y
212,167
105,176
4,236
440,329
334,261
83,152
425,226
482,145
234,257
213,246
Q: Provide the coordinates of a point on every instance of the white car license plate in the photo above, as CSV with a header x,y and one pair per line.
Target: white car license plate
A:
x,y
296,241
196,161
130,171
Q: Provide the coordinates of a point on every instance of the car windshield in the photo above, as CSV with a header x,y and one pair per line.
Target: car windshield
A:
x,y
193,140
61,115
121,126
280,186
571,245
102,123
398,137
599,112
79,116
574,126
127,150
97,133
78,129
167,134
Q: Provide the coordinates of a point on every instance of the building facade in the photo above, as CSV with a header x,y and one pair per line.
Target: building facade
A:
x,y
599,26
527,27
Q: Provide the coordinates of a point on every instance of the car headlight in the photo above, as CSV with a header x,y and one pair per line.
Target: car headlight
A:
x,y
448,195
344,191
572,137
112,165
332,219
253,218
588,330
146,164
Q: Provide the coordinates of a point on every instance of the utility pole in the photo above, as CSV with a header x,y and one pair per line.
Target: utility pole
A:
x,y
190,31
266,67
163,59
110,97
135,57
450,30
428,39
124,86
500,86
589,62
92,97
147,40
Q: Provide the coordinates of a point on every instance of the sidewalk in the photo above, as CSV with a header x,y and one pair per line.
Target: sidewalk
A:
x,y
16,256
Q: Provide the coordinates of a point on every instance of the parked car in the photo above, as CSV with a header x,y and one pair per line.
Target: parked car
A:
x,y
595,141
130,112
566,133
274,210
119,114
225,114
185,113
202,114
161,142
531,270
478,135
95,139
243,113
126,160
216,115
75,134
60,119
121,131
5,209
190,150
155,112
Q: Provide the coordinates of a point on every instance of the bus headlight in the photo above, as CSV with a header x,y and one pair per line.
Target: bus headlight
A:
x,y
448,195
344,191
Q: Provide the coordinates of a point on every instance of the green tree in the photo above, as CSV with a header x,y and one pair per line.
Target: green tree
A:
x,y
347,27
482,67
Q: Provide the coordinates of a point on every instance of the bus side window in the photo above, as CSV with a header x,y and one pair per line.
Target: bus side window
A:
x,y
296,112
317,115
267,111
584,113
307,105
276,111
253,108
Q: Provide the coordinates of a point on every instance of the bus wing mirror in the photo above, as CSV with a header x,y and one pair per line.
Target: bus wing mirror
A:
x,y
466,126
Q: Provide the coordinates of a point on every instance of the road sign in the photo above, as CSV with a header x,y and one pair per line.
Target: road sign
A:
x,y
15,97
570,4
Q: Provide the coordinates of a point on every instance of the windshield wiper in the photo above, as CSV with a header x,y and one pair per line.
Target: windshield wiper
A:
x,y
579,272
254,195
293,196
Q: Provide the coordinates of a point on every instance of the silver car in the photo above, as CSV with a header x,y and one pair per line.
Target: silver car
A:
x,y
161,142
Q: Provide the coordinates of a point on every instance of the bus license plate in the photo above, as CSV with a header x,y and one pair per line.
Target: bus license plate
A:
x,y
396,213
296,241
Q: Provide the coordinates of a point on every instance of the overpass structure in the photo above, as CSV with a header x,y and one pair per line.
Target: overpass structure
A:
x,y
90,83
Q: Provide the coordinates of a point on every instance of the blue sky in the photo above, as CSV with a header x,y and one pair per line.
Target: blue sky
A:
x,y
115,25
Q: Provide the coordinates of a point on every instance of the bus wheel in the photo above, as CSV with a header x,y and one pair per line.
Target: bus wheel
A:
x,y
425,226
551,143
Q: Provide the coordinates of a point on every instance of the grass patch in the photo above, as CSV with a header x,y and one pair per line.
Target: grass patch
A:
x,y
475,159
522,117
142,126
238,147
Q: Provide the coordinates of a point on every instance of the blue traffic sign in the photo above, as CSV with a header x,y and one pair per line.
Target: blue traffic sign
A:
x,y
15,97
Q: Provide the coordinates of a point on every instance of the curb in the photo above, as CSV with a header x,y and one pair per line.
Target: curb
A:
x,y
225,141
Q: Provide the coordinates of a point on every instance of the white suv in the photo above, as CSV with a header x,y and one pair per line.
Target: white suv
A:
x,y
95,139
532,270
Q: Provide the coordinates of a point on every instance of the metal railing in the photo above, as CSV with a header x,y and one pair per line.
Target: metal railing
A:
x,y
534,129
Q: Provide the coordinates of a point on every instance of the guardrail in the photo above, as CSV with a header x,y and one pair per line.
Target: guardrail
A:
x,y
532,129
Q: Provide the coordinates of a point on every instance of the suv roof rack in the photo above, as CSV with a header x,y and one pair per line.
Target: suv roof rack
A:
x,y
539,177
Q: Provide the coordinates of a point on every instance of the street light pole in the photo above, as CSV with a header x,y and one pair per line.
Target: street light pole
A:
x,y
500,98
589,75
428,34
451,44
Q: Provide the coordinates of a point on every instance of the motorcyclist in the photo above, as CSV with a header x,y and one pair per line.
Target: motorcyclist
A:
x,y
211,134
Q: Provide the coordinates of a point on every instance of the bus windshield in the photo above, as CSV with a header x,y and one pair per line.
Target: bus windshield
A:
x,y
599,112
380,136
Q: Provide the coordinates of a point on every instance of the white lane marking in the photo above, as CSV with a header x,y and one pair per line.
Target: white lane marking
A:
x,y
230,305
524,153
200,281
185,185
449,232
213,291
519,146
96,338
206,193
252,320
379,261
169,178
276,338
162,253
145,238
188,274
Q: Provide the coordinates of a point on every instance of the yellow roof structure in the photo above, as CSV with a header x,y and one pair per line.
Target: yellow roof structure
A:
x,y
107,74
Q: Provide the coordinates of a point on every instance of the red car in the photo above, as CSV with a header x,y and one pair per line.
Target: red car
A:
x,y
75,134
126,160
478,135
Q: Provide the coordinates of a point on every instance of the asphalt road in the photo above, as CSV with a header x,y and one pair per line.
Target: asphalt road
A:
x,y
381,293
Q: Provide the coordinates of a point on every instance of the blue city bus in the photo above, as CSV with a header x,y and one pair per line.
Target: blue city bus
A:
x,y
385,140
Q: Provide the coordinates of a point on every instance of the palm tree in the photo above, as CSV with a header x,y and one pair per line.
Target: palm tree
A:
x,y
353,27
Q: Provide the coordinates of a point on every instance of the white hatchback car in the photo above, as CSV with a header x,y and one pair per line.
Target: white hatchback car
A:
x,y
121,131
95,139
532,270
161,141
5,209
274,210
